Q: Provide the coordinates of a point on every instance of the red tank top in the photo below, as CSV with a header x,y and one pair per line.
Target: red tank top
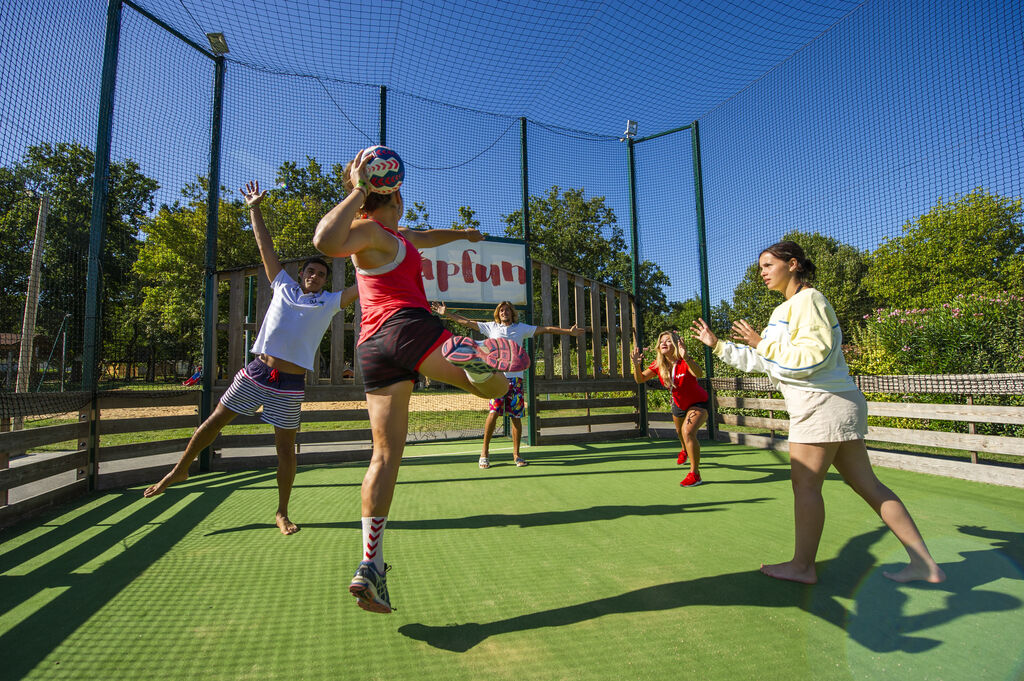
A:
x,y
684,386
385,290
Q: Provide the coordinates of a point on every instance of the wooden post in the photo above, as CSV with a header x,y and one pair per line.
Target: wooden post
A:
x,y
563,320
626,328
971,430
595,325
5,458
338,325
236,321
581,316
613,331
85,415
546,319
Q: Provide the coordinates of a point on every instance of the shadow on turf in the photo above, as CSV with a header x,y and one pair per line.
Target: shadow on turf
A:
x,y
475,522
134,542
882,626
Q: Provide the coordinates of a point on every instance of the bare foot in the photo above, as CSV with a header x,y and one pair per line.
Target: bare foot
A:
x,y
790,572
286,526
168,480
918,572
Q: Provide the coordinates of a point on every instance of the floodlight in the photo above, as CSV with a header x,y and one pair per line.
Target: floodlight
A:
x,y
217,43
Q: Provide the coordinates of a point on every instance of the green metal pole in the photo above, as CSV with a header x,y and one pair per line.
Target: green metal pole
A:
x,y
384,115
702,247
635,236
97,223
531,432
212,214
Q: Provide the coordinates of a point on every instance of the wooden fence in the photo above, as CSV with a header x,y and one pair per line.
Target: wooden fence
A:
x,y
965,387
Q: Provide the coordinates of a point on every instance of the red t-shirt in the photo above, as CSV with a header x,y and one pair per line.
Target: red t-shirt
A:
x,y
388,289
686,391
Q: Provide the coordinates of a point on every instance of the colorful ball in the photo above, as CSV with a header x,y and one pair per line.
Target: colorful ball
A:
x,y
385,169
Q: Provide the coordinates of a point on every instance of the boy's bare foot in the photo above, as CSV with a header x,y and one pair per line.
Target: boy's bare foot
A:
x,y
285,525
168,480
918,572
790,572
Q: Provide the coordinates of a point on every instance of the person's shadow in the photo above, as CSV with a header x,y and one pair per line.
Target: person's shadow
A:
x,y
839,578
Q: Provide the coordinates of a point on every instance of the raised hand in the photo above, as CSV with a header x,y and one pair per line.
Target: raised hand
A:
x,y
253,195
440,309
358,174
742,330
637,356
680,345
702,332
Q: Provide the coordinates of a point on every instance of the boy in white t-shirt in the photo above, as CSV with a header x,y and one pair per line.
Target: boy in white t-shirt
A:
x,y
295,322
505,325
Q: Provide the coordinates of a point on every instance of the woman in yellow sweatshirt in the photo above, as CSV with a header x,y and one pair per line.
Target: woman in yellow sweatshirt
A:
x,y
801,351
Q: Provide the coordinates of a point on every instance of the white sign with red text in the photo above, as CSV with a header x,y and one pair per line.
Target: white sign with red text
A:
x,y
483,272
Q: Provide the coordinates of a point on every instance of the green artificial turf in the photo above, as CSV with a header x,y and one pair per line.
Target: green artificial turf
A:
x,y
591,563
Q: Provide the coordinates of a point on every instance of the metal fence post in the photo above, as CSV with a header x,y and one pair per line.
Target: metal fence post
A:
x,y
702,247
212,214
97,224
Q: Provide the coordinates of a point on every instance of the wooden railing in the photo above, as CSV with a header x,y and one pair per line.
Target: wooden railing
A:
x,y
591,366
965,387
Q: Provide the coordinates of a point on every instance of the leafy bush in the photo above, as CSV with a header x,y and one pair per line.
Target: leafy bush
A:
x,y
973,333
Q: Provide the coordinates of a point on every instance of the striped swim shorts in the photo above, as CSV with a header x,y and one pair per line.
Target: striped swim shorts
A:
x,y
257,385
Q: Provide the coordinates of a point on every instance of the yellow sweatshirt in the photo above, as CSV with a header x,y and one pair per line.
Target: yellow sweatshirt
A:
x,y
801,347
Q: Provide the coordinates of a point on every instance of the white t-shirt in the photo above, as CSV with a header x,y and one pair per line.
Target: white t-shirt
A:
x,y
295,322
514,332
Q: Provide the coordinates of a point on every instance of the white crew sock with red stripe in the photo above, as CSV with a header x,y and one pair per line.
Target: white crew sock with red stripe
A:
x,y
373,540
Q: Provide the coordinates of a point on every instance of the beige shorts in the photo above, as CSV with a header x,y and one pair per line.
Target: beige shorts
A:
x,y
825,417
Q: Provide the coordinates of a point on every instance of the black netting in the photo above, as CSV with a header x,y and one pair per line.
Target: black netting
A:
x,y
881,136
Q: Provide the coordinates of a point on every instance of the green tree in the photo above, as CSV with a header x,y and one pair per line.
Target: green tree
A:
x,y
467,219
64,172
972,244
569,230
172,259
841,269
418,217
310,184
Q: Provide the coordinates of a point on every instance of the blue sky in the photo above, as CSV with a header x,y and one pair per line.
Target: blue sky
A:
x,y
846,118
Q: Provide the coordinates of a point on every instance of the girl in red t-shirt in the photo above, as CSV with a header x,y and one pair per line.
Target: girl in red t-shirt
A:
x,y
689,399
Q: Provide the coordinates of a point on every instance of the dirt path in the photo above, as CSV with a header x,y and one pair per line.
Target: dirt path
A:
x,y
434,402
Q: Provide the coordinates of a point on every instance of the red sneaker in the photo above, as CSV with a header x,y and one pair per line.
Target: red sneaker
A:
x,y
691,480
682,458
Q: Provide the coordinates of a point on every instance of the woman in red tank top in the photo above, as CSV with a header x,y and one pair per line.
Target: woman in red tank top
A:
x,y
399,339
690,406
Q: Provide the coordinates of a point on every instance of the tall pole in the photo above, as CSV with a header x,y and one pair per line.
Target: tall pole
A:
x,y
210,292
634,233
97,226
28,319
702,248
531,433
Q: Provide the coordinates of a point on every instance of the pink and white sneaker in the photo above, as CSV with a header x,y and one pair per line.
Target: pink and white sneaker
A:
x,y
483,358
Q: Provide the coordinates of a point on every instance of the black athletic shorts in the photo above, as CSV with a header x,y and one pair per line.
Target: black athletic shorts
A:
x,y
395,351
680,413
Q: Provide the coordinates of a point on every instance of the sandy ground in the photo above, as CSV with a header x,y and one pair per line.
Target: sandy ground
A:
x,y
433,402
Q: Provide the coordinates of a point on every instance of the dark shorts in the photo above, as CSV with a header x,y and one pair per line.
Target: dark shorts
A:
x,y
396,350
680,413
